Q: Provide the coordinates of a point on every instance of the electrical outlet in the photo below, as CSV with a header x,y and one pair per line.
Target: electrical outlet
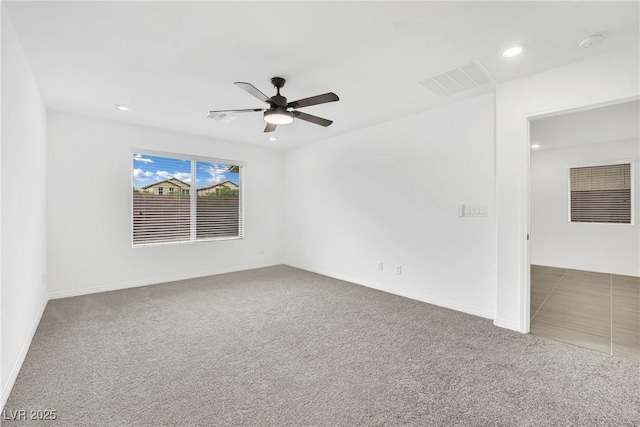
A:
x,y
380,266
398,269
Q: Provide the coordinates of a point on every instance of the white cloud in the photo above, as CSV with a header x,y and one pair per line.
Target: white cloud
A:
x,y
217,173
163,174
138,158
182,176
142,175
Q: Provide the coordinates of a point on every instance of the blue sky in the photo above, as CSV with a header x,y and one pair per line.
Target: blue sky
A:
x,y
150,169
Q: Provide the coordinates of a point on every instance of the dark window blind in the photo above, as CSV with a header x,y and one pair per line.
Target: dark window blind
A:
x,y
601,194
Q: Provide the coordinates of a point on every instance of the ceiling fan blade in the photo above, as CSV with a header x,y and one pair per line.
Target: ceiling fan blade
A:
x,y
251,89
212,114
270,127
314,100
313,119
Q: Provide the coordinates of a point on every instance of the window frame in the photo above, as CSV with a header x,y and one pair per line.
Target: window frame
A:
x,y
192,194
631,163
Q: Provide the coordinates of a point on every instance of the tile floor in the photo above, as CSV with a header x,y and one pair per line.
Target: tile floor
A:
x,y
593,310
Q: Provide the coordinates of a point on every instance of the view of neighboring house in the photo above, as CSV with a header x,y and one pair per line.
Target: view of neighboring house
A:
x,y
219,188
175,187
171,186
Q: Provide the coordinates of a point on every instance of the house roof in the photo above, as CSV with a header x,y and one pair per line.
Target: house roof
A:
x,y
169,180
219,184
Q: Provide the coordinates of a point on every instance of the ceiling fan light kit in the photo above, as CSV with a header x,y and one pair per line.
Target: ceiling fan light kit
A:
x,y
278,116
281,112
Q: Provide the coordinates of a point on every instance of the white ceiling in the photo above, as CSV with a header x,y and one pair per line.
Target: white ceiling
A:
x,y
172,62
618,122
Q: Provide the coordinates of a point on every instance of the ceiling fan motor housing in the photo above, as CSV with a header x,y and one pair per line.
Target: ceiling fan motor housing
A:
x,y
278,101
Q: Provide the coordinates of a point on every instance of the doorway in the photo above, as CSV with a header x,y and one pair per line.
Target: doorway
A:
x,y
584,254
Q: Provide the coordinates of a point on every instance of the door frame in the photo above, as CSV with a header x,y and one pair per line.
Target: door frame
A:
x,y
525,299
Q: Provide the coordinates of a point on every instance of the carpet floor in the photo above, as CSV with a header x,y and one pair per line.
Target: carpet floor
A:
x,y
280,346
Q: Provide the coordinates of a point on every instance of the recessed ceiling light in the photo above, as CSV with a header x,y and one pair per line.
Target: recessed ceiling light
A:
x,y
122,107
273,138
512,51
535,146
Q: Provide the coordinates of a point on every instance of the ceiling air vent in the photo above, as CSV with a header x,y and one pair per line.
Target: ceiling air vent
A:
x,y
222,117
458,79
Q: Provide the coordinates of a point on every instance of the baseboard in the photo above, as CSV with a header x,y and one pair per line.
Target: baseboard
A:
x,y
403,293
507,324
155,280
13,375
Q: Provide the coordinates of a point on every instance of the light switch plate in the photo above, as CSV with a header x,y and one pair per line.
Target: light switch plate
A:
x,y
469,210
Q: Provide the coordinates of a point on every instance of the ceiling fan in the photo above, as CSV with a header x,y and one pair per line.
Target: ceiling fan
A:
x,y
281,112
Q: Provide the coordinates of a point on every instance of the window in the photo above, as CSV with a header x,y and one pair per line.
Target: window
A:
x,y
600,194
187,211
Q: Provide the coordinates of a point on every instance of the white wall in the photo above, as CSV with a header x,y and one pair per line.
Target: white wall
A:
x,y
23,275
602,79
390,193
555,242
89,208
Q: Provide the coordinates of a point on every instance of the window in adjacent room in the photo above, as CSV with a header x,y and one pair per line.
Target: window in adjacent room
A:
x,y
203,201
600,194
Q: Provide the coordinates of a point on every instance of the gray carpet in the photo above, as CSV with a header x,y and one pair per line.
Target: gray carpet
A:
x,y
280,346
